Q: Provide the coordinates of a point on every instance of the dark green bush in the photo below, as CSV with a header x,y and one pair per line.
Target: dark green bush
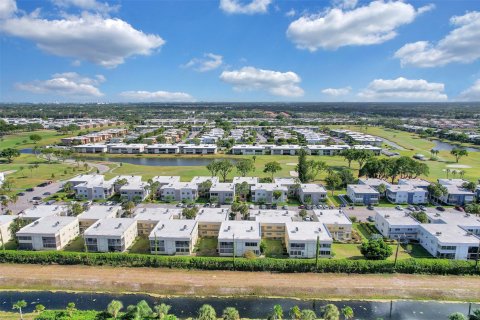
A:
x,y
410,266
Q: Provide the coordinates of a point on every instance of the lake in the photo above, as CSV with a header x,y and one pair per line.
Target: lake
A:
x,y
446,146
249,307
150,161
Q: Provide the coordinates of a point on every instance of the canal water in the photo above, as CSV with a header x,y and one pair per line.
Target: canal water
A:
x,y
249,307
144,161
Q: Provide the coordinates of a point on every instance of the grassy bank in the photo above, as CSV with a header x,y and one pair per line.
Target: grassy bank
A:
x,y
203,283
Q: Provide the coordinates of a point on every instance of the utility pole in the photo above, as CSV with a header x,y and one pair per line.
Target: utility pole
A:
x,y
1,238
478,257
233,239
316,253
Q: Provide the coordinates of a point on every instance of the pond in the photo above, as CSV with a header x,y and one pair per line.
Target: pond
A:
x,y
446,146
249,307
150,161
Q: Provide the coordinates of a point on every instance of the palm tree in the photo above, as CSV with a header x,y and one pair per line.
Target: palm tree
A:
x,y
19,305
447,171
162,310
347,312
39,308
277,312
295,312
71,309
114,308
230,313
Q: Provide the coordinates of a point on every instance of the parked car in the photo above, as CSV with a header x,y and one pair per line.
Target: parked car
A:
x,y
398,208
180,205
43,184
370,218
422,208
21,194
370,207
285,207
50,202
458,208
440,208
49,181
252,206
301,207
47,193
30,189
4,197
206,205
37,198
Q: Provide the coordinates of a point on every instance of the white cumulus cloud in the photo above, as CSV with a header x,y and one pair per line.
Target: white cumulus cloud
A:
x,y
461,45
285,84
244,7
92,5
103,41
374,23
209,62
7,8
402,89
472,93
345,4
157,96
65,84
337,92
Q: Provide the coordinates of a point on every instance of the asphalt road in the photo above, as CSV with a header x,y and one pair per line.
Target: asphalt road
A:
x,y
25,201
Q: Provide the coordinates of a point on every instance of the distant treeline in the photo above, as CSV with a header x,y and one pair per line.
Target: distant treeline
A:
x,y
140,111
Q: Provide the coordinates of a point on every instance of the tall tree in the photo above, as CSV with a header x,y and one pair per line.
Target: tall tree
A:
x,y
272,167
302,167
9,154
331,312
230,313
333,181
207,312
19,305
348,155
459,153
347,312
114,308
245,166
214,167
224,168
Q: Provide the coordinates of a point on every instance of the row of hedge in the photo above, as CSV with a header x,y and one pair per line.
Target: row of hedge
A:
x,y
409,266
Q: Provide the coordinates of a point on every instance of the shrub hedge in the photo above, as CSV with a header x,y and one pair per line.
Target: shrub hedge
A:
x,y
410,266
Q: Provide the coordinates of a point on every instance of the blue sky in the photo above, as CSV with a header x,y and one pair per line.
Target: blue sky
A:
x,y
239,50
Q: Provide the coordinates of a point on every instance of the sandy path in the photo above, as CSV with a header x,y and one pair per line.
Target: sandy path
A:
x,y
223,283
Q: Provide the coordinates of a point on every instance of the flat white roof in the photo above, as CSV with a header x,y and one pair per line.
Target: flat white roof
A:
x,y
453,189
362,188
249,180
307,231
212,214
97,212
41,211
269,187
84,178
449,234
332,216
397,217
199,179
47,225
414,182
114,227
222,187
455,218
166,179
373,182
180,185
285,181
174,229
273,216
312,187
453,182
242,230
405,188
130,179
156,213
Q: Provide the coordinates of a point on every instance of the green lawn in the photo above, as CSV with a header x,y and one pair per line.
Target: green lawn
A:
x,y
352,251
274,248
26,177
77,245
363,231
141,245
207,246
